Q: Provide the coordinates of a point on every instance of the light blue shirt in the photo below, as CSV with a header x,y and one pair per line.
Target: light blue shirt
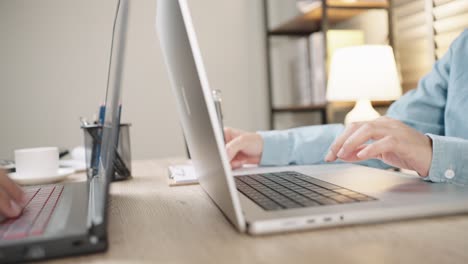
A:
x,y
437,108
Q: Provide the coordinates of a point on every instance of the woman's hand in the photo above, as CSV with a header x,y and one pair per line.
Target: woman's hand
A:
x,y
243,147
393,142
12,198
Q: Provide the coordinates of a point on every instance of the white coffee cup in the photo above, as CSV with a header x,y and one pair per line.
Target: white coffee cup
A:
x,y
37,162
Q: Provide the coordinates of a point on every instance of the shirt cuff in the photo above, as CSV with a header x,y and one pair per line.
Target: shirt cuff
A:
x,y
449,160
276,148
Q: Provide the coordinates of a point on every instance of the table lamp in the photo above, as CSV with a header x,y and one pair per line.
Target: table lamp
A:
x,y
361,74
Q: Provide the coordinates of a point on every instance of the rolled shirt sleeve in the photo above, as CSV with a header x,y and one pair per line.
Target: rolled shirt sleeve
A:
x,y
449,160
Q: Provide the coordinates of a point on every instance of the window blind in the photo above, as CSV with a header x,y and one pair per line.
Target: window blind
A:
x,y
412,44
450,19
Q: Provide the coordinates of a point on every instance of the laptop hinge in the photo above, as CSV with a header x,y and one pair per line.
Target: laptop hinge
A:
x,y
94,213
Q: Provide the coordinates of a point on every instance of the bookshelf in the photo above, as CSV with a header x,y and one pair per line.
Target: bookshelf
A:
x,y
317,19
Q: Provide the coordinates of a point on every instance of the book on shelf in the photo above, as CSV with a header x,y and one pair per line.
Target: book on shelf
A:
x,y
300,74
284,64
317,68
299,66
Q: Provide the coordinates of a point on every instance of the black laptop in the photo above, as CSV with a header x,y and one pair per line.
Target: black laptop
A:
x,y
71,219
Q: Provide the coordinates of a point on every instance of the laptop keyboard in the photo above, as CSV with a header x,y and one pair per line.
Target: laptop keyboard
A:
x,y
287,190
33,221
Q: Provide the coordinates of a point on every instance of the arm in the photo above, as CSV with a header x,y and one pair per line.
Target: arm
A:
x,y
424,147
421,109
424,110
399,140
304,145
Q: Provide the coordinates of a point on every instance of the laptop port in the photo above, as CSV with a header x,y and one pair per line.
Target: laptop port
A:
x,y
327,219
77,243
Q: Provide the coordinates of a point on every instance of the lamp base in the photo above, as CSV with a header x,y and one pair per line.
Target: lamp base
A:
x,y
362,111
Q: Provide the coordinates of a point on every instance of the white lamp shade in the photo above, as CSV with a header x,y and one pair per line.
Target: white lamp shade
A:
x,y
363,72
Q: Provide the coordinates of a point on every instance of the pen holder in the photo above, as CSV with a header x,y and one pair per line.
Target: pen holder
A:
x,y
122,159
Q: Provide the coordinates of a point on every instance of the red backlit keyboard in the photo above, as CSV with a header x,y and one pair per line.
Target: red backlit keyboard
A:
x,y
33,221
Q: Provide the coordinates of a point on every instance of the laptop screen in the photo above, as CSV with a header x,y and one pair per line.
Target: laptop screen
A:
x,y
99,184
196,108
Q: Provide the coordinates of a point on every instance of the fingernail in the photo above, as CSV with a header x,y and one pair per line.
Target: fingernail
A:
x,y
15,208
329,156
361,154
341,153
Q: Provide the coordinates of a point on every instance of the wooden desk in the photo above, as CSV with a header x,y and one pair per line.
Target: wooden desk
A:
x,y
153,223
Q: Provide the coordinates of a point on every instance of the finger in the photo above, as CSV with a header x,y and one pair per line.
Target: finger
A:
x,y
352,157
228,134
239,161
376,149
336,145
231,133
8,207
235,146
245,159
236,165
362,135
12,189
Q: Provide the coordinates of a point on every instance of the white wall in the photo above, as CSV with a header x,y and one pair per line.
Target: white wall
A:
x,y
53,66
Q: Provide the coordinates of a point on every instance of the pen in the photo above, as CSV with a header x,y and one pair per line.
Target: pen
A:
x,y
102,113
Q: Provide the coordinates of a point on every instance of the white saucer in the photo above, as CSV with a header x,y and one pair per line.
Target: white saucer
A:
x,y
62,173
77,165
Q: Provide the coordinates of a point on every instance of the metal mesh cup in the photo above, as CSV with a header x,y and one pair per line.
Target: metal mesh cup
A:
x,y
123,157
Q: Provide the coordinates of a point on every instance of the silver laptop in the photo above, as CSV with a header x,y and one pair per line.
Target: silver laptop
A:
x,y
71,218
277,199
